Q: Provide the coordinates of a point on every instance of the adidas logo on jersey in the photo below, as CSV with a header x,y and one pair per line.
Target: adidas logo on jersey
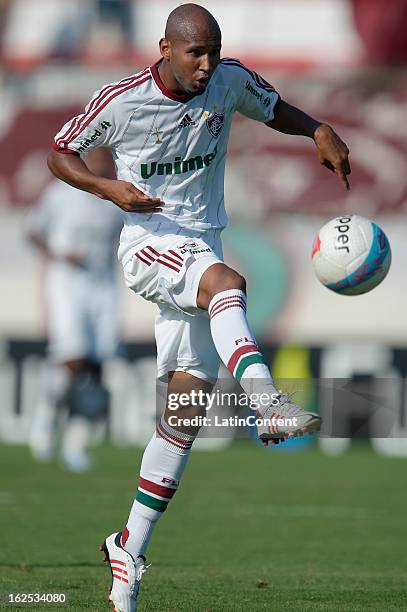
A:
x,y
187,122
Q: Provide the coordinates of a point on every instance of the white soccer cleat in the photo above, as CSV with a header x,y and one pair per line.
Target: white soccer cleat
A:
x,y
296,421
126,573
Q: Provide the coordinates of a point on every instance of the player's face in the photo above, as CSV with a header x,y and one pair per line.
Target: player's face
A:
x,y
193,62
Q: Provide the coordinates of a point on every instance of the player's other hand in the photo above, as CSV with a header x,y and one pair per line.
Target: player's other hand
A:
x,y
333,152
127,197
74,259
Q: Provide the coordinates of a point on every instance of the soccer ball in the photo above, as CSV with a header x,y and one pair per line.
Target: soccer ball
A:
x,y
351,255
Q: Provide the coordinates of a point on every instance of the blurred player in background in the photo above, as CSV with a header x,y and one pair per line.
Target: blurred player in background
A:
x,y
78,235
168,127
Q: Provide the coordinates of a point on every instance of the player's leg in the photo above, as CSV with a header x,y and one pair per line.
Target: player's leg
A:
x,y
222,292
186,355
163,464
76,390
86,400
47,413
65,341
92,326
164,461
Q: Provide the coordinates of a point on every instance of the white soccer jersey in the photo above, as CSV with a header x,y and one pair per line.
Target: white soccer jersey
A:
x,y
170,146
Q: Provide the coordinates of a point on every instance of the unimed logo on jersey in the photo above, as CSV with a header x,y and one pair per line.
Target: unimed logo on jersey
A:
x,y
178,166
84,144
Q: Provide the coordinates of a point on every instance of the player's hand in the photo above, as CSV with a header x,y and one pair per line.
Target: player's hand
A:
x,y
74,259
333,152
127,197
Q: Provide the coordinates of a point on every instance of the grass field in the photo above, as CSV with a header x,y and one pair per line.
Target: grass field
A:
x,y
250,529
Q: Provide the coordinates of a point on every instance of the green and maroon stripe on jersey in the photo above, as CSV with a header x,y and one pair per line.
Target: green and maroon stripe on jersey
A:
x,y
153,495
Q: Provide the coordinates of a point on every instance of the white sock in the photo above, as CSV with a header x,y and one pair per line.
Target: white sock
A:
x,y
236,344
163,464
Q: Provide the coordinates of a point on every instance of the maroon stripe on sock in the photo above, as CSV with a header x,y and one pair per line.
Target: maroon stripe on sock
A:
x,y
162,424
229,297
225,301
248,348
178,441
233,305
172,439
147,485
164,437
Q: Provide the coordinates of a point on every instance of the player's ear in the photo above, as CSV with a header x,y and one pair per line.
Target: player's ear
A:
x,y
165,48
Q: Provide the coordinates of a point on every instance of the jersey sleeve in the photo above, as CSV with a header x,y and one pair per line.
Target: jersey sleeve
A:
x,y
255,97
98,126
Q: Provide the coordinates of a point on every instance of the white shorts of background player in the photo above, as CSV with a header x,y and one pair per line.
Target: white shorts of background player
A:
x,y
83,315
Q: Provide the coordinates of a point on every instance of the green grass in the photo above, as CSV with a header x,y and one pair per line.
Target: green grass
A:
x,y
249,530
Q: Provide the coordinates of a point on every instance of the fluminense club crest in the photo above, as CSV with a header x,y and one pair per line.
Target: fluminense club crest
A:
x,y
214,123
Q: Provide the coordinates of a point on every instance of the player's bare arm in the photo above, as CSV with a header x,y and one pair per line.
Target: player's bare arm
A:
x,y
73,170
40,243
331,150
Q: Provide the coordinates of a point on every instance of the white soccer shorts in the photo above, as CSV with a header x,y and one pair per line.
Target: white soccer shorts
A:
x,y
83,316
166,269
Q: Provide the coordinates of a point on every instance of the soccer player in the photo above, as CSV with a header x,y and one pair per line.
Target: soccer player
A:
x,y
79,240
168,128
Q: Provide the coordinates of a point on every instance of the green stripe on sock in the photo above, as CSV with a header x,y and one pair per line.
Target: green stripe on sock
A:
x,y
151,502
247,361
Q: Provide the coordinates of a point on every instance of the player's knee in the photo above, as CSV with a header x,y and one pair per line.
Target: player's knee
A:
x,y
217,279
232,280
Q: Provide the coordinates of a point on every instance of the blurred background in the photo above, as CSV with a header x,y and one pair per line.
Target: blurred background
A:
x,y
323,532
343,61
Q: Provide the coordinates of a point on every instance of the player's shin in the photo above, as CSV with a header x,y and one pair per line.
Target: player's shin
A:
x,y
236,344
238,349
163,464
